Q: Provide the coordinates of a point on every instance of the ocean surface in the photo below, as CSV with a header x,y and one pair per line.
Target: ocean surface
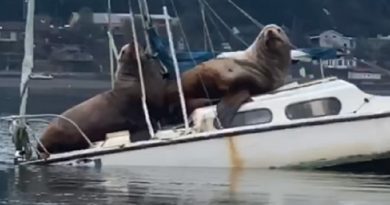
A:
x,y
148,185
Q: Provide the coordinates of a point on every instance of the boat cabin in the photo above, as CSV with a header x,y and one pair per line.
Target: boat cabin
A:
x,y
291,103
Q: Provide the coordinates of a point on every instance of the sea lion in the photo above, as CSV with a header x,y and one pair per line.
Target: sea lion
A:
x,y
115,110
247,54
261,68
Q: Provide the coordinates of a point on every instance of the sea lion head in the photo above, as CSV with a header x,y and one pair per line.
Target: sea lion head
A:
x,y
273,39
128,63
127,60
127,69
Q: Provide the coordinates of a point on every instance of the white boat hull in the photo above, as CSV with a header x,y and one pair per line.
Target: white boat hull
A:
x,y
278,147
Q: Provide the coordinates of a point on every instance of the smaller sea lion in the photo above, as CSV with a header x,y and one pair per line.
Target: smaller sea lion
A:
x,y
115,110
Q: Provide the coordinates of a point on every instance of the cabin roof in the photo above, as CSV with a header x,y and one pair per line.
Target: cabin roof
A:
x,y
283,92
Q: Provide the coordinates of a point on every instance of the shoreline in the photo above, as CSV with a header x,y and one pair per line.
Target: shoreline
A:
x,y
61,75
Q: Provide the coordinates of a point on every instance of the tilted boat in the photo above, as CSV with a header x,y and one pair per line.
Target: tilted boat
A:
x,y
316,124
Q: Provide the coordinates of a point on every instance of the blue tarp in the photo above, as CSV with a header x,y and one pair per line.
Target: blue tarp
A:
x,y
185,60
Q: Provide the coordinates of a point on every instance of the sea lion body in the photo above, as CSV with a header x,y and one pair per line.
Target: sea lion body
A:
x,y
114,110
221,75
260,68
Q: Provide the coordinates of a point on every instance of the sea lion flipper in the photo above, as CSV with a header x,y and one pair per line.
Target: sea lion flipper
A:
x,y
229,105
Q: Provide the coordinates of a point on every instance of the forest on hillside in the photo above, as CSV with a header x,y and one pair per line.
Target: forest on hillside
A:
x,y
303,18
352,17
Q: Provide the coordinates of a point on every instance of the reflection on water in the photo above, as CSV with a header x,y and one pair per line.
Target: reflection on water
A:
x,y
40,185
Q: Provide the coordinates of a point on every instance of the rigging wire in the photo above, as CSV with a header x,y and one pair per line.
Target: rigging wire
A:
x,y
177,72
143,92
191,56
224,23
254,21
187,44
223,39
206,28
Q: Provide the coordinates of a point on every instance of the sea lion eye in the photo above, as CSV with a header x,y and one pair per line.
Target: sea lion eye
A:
x,y
279,30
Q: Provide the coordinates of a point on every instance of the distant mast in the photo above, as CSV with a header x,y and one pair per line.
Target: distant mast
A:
x,y
146,22
112,70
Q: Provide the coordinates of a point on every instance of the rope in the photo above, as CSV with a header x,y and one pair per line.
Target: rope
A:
x,y
257,23
37,140
179,85
225,24
11,118
192,57
113,46
144,106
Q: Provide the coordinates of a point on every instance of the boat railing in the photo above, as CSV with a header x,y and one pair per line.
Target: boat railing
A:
x,y
22,140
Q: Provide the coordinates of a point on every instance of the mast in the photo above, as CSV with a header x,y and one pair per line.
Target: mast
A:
x,y
20,134
146,22
179,85
28,59
109,43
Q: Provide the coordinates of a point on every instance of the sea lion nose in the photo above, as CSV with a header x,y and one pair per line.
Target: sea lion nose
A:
x,y
271,33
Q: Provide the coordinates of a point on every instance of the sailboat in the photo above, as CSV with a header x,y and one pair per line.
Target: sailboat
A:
x,y
311,125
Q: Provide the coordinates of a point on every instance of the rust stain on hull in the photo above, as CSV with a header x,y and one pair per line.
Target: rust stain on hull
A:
x,y
236,164
235,158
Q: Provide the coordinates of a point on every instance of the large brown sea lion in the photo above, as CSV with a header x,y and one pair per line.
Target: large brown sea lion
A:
x,y
261,68
114,110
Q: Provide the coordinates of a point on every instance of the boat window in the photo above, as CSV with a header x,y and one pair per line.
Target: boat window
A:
x,y
251,117
313,108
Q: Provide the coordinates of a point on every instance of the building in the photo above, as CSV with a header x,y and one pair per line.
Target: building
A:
x,y
118,19
334,39
11,31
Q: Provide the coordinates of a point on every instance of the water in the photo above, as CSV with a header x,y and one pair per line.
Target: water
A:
x,y
147,185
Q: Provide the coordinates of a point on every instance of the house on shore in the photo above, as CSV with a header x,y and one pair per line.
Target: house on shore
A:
x,y
334,39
